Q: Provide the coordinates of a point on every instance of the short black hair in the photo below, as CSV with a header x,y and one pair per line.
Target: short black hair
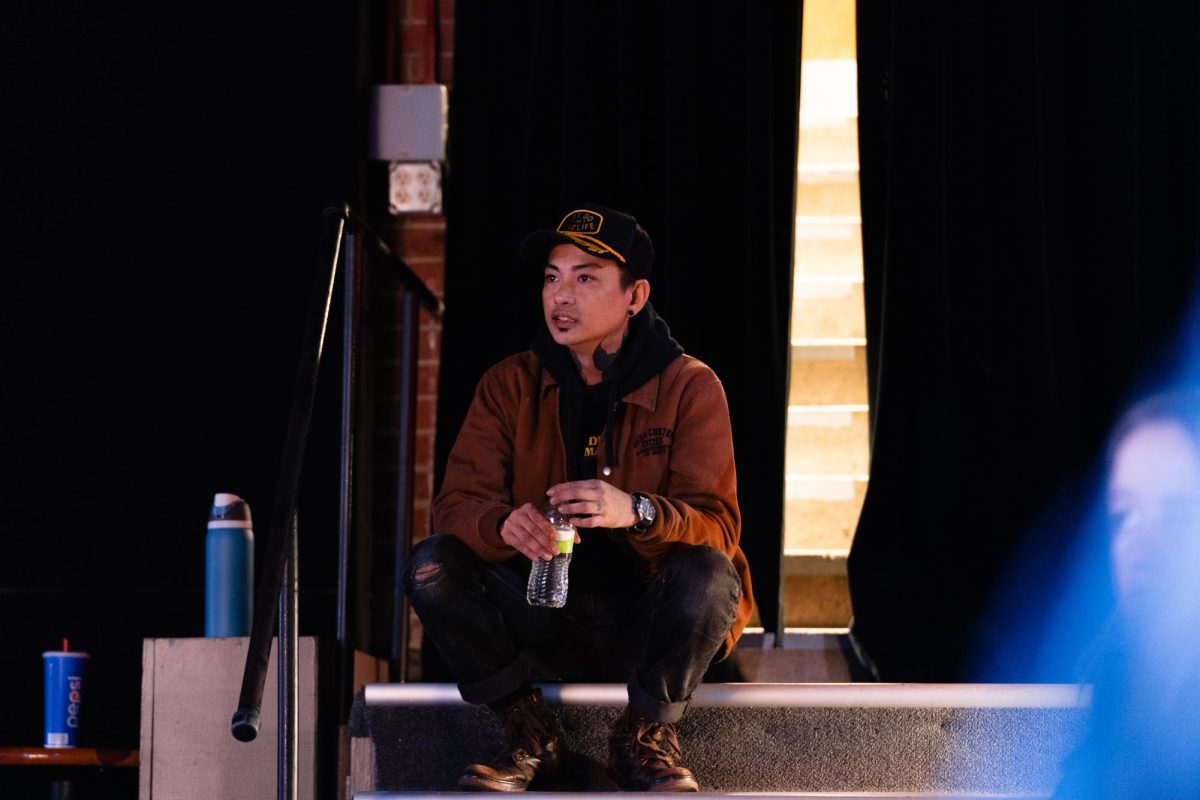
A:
x,y
627,276
1180,406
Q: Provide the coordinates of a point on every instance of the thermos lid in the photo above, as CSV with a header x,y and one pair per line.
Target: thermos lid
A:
x,y
229,511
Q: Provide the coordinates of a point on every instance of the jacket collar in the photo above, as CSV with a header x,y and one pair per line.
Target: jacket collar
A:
x,y
645,395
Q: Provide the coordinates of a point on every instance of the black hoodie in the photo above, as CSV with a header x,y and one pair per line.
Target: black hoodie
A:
x,y
604,561
647,350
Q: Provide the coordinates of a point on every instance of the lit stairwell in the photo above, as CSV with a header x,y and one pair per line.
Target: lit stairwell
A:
x,y
827,447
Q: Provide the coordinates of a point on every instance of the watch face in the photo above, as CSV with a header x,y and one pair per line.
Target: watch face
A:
x,y
645,512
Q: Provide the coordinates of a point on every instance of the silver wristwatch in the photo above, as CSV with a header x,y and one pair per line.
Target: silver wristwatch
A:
x,y
644,513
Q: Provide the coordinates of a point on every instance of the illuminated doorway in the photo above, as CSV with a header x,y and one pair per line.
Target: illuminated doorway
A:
x,y
827,439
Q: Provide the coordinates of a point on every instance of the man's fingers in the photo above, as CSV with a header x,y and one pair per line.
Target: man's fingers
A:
x,y
575,490
539,538
534,549
582,507
529,533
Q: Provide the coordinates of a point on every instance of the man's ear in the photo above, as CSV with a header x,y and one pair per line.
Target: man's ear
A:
x,y
640,295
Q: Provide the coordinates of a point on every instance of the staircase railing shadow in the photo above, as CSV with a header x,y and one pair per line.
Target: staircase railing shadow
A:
x,y
348,240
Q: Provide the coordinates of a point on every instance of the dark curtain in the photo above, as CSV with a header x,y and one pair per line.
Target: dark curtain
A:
x,y
165,180
684,116
1030,198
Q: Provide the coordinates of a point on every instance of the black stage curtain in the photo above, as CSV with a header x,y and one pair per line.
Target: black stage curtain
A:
x,y
684,115
1030,199
165,180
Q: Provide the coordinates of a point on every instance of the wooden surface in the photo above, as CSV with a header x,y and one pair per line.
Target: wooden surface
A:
x,y
67,756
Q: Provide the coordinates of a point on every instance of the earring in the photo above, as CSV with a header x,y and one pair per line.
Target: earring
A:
x,y
629,312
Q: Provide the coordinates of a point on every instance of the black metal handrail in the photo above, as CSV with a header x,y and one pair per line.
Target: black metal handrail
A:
x,y
277,590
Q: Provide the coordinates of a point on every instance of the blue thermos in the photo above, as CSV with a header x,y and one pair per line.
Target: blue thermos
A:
x,y
228,568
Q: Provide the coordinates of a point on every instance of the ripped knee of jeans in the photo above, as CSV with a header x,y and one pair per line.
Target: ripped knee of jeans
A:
x,y
428,584
426,574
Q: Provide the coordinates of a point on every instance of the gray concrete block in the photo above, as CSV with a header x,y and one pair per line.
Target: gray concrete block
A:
x,y
190,690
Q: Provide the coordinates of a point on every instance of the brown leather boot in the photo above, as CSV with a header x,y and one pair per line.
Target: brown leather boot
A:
x,y
534,744
642,754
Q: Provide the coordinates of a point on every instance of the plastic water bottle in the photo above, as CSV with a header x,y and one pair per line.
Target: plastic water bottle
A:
x,y
548,579
228,568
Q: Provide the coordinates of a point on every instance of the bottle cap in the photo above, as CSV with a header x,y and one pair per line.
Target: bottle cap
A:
x,y
229,511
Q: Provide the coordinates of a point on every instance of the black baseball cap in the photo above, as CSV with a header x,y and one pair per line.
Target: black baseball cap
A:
x,y
597,230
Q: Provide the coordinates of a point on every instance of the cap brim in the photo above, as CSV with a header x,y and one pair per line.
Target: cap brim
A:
x,y
536,247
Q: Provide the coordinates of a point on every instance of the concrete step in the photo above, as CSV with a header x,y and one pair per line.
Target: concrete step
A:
x,y
827,440
828,190
828,375
816,590
808,655
829,246
828,90
852,739
831,141
828,30
573,795
821,512
828,310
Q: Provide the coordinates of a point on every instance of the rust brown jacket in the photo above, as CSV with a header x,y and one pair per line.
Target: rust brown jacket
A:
x,y
673,443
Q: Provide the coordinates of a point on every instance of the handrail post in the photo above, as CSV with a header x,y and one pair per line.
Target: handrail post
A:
x,y
277,595
410,322
352,275
245,720
288,684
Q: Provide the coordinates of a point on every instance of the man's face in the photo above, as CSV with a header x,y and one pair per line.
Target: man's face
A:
x,y
1154,511
583,302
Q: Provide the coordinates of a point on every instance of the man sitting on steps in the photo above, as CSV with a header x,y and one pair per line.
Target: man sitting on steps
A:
x,y
607,419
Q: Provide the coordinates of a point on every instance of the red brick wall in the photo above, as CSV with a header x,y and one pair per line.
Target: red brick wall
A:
x,y
421,242
420,45
420,48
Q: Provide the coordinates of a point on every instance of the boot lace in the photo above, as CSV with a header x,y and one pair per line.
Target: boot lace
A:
x,y
656,742
524,728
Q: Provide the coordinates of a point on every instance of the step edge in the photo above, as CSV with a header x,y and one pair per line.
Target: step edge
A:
x,y
813,220
829,341
817,553
774,695
402,795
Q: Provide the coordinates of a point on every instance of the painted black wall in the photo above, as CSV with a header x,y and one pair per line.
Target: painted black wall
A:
x,y
1031,218
167,178
688,121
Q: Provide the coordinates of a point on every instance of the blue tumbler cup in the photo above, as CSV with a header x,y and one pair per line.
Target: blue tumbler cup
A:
x,y
229,568
64,673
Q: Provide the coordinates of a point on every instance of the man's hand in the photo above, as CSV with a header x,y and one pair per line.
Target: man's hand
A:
x,y
530,532
608,506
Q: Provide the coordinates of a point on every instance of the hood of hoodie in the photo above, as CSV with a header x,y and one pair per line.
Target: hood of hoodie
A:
x,y
647,350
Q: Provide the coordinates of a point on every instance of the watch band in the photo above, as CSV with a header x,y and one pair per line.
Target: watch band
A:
x,y
643,512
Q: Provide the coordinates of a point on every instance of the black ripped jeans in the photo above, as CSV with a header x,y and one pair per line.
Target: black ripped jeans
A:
x,y
660,637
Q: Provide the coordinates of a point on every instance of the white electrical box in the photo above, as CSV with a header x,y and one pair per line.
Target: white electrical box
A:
x,y
408,122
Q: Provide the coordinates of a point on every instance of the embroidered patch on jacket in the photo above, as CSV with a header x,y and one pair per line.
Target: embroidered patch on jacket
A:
x,y
653,441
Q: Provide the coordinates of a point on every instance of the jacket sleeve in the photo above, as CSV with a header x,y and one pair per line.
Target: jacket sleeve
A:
x,y
699,505
476,490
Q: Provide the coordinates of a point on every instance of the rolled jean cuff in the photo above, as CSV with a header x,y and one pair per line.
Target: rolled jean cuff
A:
x,y
499,685
650,707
